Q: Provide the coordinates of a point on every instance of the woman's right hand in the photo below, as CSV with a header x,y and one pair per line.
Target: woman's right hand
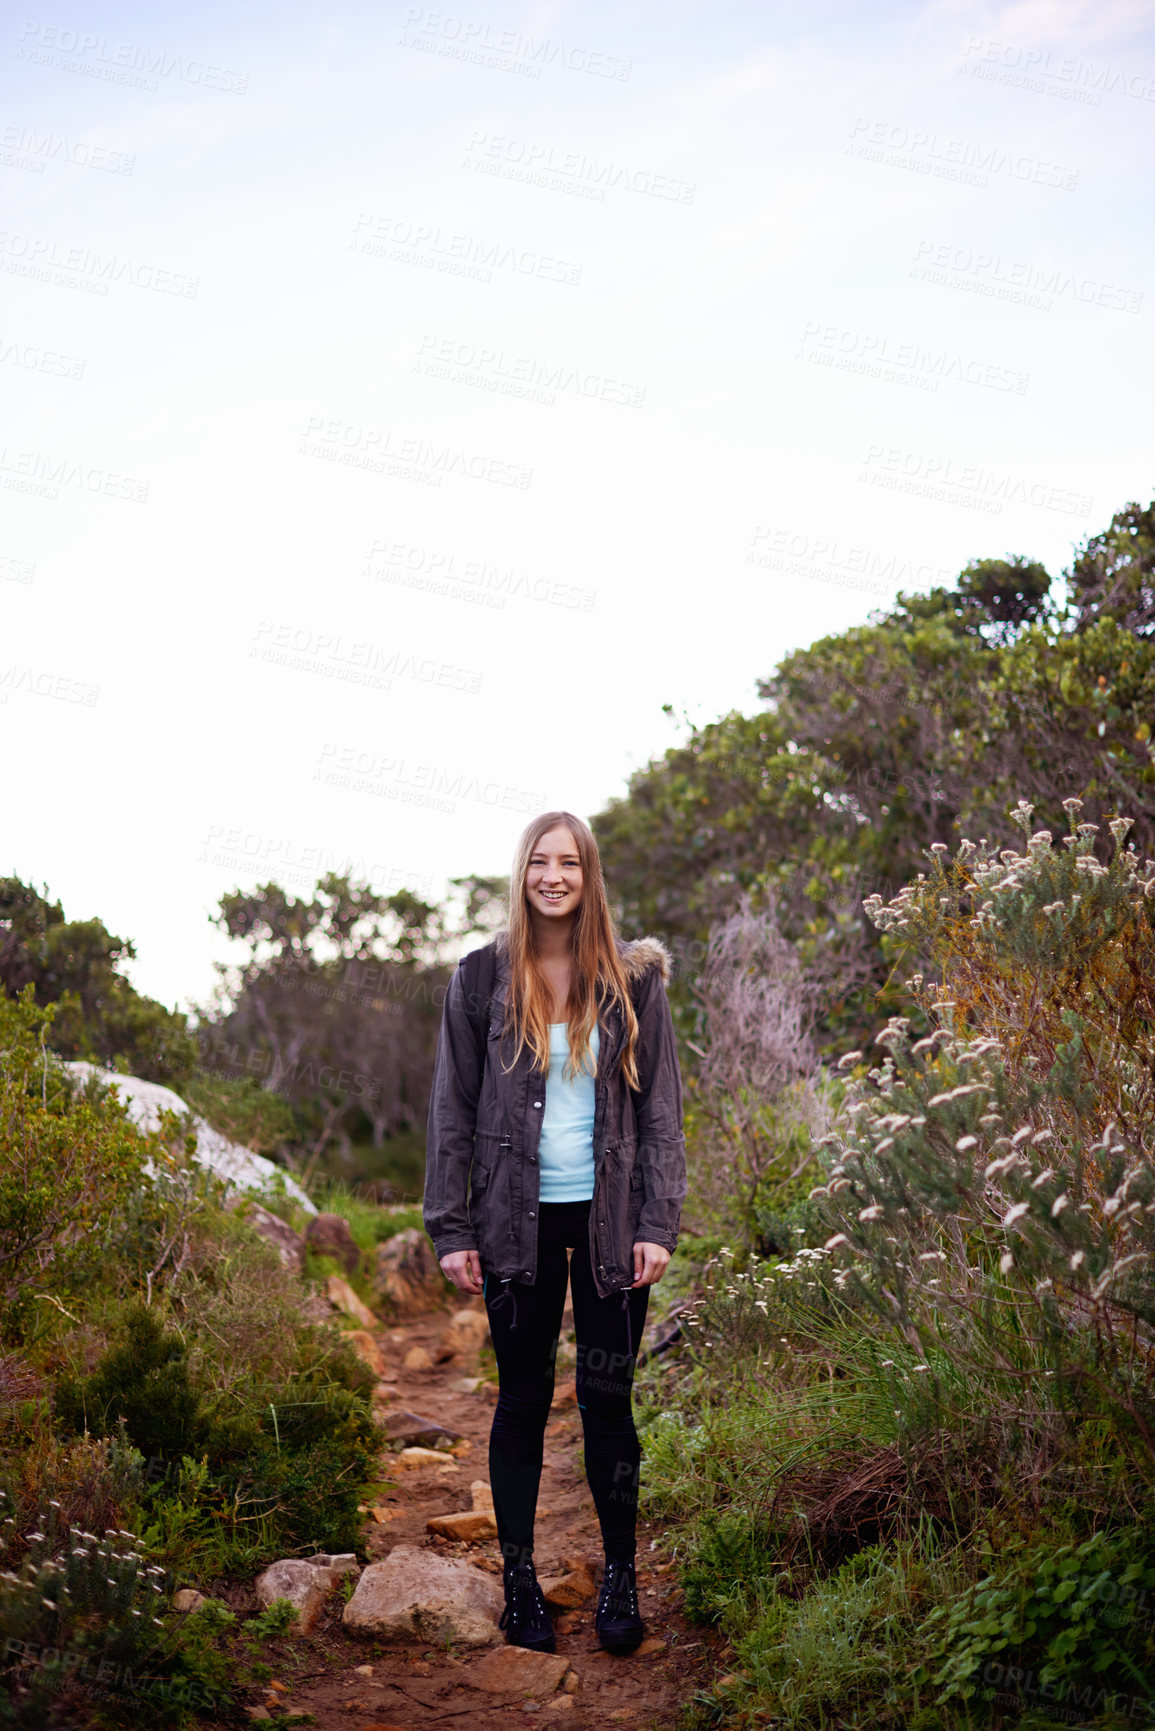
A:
x,y
463,1267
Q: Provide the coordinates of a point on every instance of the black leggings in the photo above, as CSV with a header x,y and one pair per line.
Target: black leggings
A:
x,y
525,1322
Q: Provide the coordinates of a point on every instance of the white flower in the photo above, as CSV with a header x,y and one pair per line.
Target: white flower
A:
x,y
1006,1262
1059,1204
965,1142
1015,1213
1076,1260
874,1212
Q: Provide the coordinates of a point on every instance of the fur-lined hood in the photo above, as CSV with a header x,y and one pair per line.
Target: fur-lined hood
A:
x,y
641,954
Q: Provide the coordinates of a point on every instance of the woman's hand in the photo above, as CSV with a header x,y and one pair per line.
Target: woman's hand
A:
x,y
464,1269
649,1263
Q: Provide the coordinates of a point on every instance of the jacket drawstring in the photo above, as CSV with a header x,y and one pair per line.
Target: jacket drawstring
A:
x,y
507,1292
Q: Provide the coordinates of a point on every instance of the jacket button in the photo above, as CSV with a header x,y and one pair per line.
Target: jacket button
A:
x,y
601,1267
532,1215
537,1105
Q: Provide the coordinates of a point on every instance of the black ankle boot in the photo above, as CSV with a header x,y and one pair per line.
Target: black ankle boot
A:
x,y
619,1623
525,1618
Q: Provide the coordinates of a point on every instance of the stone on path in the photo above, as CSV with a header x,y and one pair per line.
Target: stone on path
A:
x,y
464,1336
518,1671
651,1645
575,1588
409,1277
304,1586
418,1359
410,1427
364,1344
472,1524
342,1297
431,1598
329,1235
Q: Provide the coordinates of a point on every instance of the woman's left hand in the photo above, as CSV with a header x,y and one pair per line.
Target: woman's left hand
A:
x,y
649,1263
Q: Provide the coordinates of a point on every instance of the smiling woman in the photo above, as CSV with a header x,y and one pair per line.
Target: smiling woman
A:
x,y
556,1126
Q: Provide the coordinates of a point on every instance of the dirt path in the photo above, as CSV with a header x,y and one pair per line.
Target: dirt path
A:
x,y
408,1687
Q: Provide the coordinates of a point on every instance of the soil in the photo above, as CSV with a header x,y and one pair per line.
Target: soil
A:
x,y
411,1686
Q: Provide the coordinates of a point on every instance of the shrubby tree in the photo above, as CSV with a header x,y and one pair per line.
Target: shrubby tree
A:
x,y
76,966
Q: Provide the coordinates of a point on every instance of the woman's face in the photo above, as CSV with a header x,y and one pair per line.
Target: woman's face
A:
x,y
553,882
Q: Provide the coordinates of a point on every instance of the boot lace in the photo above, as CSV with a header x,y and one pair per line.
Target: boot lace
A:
x,y
619,1595
524,1605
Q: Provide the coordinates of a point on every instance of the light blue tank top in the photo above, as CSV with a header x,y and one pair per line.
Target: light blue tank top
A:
x,y
566,1151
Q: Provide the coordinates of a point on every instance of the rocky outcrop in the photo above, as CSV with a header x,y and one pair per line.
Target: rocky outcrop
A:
x,y
409,1278
419,1595
329,1235
239,1167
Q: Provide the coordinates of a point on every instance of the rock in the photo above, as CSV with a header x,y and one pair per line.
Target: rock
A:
x,y
342,1296
409,1276
469,1527
651,1645
569,1590
480,1495
329,1235
304,1586
363,1670
417,1359
434,1599
410,1427
424,1458
335,1565
364,1344
238,1167
289,1245
565,1394
188,1599
518,1671
466,1334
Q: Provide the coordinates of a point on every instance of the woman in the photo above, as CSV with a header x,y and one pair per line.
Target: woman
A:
x,y
556,1123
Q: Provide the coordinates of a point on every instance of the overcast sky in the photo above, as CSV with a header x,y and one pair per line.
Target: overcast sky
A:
x,y
401,406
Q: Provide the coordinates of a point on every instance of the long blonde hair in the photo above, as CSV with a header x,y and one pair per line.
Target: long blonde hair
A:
x,y
597,978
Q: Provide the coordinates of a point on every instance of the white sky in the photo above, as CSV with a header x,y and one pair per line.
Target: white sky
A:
x,y
741,241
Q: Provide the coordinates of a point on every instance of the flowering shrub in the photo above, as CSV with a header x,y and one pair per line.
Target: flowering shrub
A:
x,y
994,1196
